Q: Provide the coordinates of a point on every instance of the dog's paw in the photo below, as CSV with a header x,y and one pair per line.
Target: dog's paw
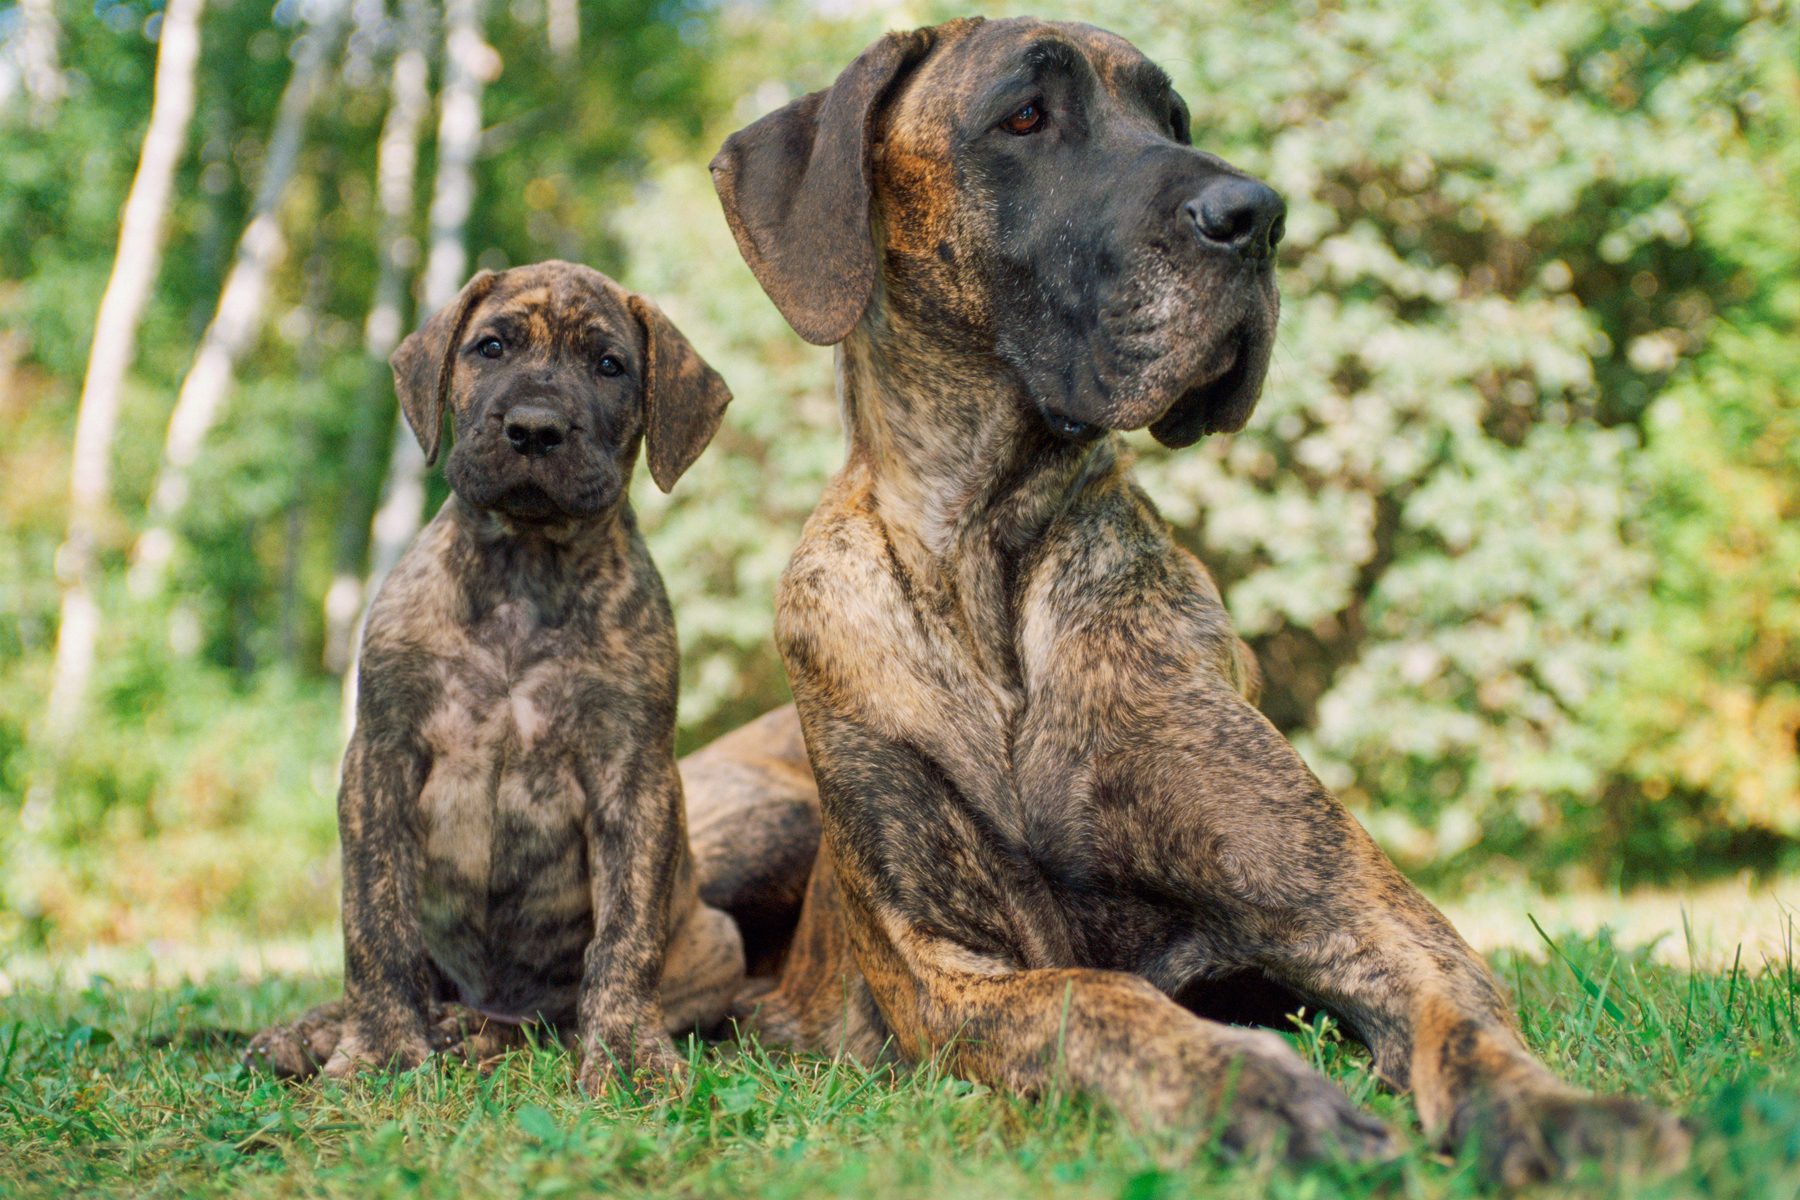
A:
x,y
461,1032
1273,1098
356,1054
1543,1134
299,1048
647,1062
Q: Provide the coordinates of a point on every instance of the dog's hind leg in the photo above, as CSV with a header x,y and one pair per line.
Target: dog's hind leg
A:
x,y
703,970
753,823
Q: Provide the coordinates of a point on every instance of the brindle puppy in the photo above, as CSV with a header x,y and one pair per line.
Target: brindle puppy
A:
x,y
512,822
1049,810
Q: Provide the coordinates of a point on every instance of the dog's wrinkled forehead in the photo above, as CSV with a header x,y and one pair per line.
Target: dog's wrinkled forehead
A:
x,y
556,308
978,72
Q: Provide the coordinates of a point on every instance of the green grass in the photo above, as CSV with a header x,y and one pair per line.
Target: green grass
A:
x,y
110,1090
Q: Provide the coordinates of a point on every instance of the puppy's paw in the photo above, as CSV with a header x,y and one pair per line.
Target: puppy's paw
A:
x,y
298,1049
357,1052
462,1032
1533,1135
646,1062
1274,1098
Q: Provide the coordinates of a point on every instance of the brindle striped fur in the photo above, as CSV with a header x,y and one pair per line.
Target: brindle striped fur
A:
x,y
513,829
1050,815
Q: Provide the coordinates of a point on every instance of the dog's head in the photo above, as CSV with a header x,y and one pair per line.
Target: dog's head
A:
x,y
1030,188
552,374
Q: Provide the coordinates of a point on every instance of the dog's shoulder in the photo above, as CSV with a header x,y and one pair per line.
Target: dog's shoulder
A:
x,y
416,604
844,589
844,550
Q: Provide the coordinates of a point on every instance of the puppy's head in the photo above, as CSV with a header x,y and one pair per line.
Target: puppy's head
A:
x,y
552,374
1031,190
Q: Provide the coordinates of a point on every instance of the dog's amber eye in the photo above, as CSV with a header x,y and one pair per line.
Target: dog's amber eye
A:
x,y
1028,119
610,365
491,347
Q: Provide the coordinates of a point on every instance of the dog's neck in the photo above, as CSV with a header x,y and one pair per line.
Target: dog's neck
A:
x,y
964,474
547,563
955,447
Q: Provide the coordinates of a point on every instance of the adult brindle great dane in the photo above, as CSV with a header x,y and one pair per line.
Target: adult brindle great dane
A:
x,y
1050,812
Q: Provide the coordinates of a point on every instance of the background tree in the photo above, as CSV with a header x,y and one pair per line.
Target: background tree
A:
x,y
396,167
467,63
207,386
113,344
1512,531
40,72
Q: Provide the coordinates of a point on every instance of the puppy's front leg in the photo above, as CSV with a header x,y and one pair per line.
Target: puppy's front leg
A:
x,y
636,859
387,977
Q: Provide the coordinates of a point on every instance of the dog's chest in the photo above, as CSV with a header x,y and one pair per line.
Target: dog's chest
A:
x,y
504,886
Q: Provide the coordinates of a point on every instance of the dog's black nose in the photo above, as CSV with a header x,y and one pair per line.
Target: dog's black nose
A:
x,y
1243,215
533,430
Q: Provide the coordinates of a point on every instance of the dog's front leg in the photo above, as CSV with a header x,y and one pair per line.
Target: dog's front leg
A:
x,y
387,976
636,843
1229,814
943,939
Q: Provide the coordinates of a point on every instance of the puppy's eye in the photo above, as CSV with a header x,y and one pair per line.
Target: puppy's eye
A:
x,y
491,347
610,365
1028,119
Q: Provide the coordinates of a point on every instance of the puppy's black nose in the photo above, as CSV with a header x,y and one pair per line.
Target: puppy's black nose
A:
x,y
1243,215
533,430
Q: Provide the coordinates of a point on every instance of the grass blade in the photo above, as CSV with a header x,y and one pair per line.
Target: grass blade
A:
x,y
1593,989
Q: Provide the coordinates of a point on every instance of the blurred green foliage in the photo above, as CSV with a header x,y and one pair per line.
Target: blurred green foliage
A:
x,y
1514,532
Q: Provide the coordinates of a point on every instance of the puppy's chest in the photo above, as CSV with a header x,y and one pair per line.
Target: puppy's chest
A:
x,y
509,741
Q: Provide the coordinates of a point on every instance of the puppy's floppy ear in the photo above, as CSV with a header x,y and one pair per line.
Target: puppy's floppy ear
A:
x,y
795,186
425,361
684,398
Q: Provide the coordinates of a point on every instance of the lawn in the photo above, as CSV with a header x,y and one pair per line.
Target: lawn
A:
x,y
106,1089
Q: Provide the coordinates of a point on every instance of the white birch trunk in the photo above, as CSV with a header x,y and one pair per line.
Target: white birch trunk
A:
x,y
396,166
562,23
39,68
239,315
468,65
115,339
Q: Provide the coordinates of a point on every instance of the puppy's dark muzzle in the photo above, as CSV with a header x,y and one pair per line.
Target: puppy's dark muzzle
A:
x,y
535,431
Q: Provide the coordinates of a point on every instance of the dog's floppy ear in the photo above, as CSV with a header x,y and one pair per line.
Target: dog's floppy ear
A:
x,y
795,186
424,362
684,398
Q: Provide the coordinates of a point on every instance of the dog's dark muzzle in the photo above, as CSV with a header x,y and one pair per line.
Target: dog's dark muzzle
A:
x,y
1168,326
532,458
1222,404
1239,215
534,430
1070,429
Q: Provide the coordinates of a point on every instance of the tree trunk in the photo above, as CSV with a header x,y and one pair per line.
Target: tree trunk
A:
x,y
396,166
468,64
39,69
239,314
115,338
309,359
562,22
